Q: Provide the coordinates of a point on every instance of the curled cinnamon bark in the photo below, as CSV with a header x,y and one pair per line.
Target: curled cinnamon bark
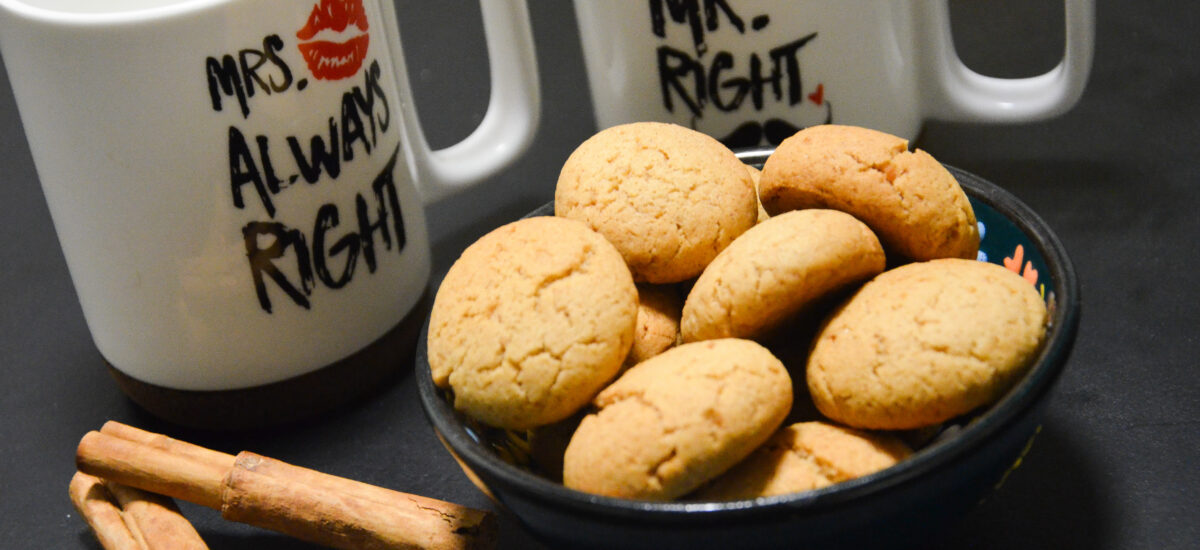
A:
x,y
124,518
101,513
306,504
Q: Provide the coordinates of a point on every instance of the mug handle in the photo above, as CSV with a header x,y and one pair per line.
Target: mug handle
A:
x,y
513,112
960,94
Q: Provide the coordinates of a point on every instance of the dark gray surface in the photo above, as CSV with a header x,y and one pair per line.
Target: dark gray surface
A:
x,y
1114,467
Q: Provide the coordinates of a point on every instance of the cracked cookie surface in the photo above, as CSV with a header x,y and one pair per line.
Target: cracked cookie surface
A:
x,y
806,456
531,321
678,419
907,198
776,269
669,198
925,342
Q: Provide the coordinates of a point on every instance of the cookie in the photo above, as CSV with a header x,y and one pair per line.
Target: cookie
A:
x,y
911,202
659,309
755,175
776,269
677,420
669,198
531,321
924,343
806,456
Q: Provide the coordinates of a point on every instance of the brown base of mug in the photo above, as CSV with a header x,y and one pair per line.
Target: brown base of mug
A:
x,y
288,400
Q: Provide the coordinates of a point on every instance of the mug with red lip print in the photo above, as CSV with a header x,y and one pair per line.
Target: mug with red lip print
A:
x,y
238,188
753,72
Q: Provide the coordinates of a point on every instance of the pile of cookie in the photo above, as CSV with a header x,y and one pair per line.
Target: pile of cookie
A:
x,y
685,326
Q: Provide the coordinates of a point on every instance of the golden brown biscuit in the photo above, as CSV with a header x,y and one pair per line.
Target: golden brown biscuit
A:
x,y
659,308
755,176
911,201
924,343
669,198
531,321
775,270
806,456
677,420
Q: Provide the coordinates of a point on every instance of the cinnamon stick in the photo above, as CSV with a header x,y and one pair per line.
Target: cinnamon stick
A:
x,y
124,518
333,511
155,520
299,502
151,469
101,513
162,442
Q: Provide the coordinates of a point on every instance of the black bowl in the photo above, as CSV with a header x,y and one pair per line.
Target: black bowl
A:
x,y
897,507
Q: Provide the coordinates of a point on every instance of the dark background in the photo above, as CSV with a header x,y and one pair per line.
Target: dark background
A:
x,y
1113,468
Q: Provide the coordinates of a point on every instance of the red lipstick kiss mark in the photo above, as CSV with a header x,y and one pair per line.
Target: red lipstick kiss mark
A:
x,y
327,59
818,96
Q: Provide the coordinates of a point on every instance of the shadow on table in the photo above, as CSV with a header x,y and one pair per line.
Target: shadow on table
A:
x,y
512,537
256,541
1056,499
226,541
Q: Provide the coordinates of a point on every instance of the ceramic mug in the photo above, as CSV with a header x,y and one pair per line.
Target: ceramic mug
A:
x,y
238,185
752,72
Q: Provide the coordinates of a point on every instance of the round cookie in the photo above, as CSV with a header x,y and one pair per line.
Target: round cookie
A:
x,y
677,420
659,308
776,269
755,175
806,456
909,200
925,342
669,198
531,321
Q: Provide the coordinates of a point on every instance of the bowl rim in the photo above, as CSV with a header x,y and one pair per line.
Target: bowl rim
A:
x,y
1034,385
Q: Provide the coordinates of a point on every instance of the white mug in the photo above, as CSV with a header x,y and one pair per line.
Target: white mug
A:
x,y
238,185
752,72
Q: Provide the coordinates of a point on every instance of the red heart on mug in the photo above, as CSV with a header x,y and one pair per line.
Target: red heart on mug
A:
x,y
818,96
